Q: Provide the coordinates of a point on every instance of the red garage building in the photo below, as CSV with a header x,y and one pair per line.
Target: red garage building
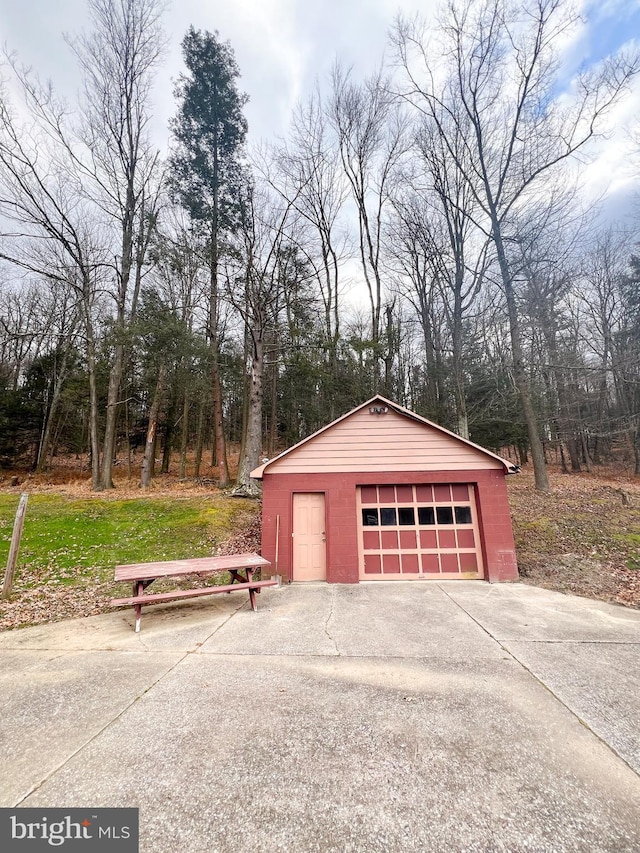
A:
x,y
384,494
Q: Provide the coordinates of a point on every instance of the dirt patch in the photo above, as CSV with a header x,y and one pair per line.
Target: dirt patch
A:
x,y
582,538
71,476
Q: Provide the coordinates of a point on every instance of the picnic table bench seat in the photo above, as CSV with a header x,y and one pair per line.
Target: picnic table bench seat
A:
x,y
144,574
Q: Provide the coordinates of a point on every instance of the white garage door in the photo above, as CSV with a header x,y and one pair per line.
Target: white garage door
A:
x,y
418,532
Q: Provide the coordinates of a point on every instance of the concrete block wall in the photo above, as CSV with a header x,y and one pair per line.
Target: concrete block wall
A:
x,y
340,490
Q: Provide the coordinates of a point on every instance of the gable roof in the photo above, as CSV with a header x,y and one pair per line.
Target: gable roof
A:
x,y
467,445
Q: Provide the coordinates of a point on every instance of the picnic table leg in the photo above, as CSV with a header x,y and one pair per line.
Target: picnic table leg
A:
x,y
237,577
138,589
252,592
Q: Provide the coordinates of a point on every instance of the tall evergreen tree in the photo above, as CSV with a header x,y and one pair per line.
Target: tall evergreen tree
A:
x,y
206,169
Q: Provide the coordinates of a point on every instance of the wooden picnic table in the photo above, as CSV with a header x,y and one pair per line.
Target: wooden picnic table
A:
x,y
144,574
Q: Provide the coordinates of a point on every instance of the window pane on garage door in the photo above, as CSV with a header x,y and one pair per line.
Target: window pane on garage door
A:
x,y
419,531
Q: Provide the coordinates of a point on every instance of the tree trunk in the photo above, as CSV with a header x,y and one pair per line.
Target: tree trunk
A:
x,y
117,368
216,386
458,375
109,447
184,439
585,451
94,440
390,353
253,433
128,439
566,429
56,393
245,382
519,373
218,429
273,430
462,419
149,449
168,434
431,380
574,455
199,440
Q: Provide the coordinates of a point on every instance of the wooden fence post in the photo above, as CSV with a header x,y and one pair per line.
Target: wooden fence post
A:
x,y
15,545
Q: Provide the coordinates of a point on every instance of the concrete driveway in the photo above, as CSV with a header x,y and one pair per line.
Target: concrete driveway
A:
x,y
400,717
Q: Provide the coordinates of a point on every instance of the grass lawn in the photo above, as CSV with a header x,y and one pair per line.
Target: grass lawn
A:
x,y
78,542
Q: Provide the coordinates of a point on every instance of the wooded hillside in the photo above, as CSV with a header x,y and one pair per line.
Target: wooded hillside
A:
x,y
421,233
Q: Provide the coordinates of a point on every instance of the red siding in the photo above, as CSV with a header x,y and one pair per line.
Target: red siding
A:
x,y
342,523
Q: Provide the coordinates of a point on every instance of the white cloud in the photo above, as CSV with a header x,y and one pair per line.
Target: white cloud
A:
x,y
282,46
614,169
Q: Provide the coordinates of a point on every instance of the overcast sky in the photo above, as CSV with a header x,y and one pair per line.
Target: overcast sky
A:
x,y
282,45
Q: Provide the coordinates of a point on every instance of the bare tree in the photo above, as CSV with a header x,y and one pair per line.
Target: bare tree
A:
x,y
118,59
62,321
548,279
372,138
50,229
496,77
152,428
436,206
270,260
180,275
611,305
22,330
87,191
413,251
310,175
